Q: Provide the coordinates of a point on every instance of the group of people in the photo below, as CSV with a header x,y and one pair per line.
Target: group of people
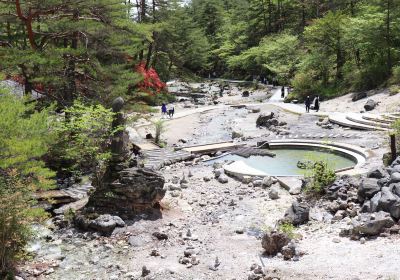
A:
x,y
167,111
314,103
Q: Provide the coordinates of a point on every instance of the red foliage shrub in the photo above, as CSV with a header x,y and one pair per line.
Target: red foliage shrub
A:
x,y
151,82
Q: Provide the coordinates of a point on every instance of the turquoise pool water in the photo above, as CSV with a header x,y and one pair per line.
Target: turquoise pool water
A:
x,y
285,162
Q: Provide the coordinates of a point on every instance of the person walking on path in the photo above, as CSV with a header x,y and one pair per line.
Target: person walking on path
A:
x,y
316,104
283,92
171,111
163,110
308,104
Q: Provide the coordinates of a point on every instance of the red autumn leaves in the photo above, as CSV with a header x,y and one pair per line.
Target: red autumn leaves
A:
x,y
151,82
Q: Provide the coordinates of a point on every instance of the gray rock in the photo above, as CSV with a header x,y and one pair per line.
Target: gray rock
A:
x,y
368,188
374,202
395,188
395,177
370,105
289,251
223,179
274,242
387,200
273,193
298,213
358,95
267,181
206,179
372,224
394,209
218,172
236,134
377,173
105,224
258,183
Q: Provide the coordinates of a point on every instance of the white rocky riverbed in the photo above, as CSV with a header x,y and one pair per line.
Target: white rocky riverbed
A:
x,y
213,230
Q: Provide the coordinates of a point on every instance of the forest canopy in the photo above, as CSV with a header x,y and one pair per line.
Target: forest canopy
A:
x,y
91,49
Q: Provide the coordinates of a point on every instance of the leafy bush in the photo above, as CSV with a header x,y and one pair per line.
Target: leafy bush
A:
x,y
16,215
151,82
83,139
288,229
303,85
24,139
321,175
318,173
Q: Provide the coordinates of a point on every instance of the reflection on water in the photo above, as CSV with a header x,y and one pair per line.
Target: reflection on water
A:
x,y
285,162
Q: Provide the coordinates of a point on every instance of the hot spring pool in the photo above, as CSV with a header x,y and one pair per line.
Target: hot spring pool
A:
x,y
285,162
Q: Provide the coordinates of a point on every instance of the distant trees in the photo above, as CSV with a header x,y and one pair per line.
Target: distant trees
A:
x,y
340,45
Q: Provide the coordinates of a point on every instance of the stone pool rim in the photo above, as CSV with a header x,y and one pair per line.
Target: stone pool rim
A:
x,y
355,153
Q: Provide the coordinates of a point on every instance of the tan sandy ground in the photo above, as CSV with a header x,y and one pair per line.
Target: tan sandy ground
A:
x,y
344,104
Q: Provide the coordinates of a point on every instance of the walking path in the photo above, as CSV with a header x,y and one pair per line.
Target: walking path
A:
x,y
359,121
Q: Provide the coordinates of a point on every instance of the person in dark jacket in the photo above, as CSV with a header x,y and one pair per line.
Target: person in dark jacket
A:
x,y
163,110
308,104
283,92
316,104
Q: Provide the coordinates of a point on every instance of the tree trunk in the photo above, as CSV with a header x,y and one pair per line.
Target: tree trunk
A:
x,y
388,38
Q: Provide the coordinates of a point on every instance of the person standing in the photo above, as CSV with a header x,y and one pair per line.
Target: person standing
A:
x,y
316,104
308,104
283,92
171,111
163,110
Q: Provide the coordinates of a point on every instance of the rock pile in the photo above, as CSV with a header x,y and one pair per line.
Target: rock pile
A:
x,y
279,244
273,242
127,193
104,224
270,121
324,123
372,203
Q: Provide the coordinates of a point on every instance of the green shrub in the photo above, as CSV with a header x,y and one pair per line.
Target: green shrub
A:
x,y
288,229
83,139
24,139
303,85
319,175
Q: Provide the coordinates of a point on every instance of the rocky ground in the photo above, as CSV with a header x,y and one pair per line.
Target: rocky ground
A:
x,y
212,228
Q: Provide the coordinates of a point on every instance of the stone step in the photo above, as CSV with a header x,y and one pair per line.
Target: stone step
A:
x,y
341,119
358,119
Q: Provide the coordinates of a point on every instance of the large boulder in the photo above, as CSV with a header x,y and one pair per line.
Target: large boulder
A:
x,y
104,224
298,213
127,193
358,95
264,119
372,224
394,209
370,105
273,242
387,200
377,173
368,188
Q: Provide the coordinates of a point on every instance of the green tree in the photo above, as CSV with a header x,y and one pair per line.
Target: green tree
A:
x,y
24,139
83,139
